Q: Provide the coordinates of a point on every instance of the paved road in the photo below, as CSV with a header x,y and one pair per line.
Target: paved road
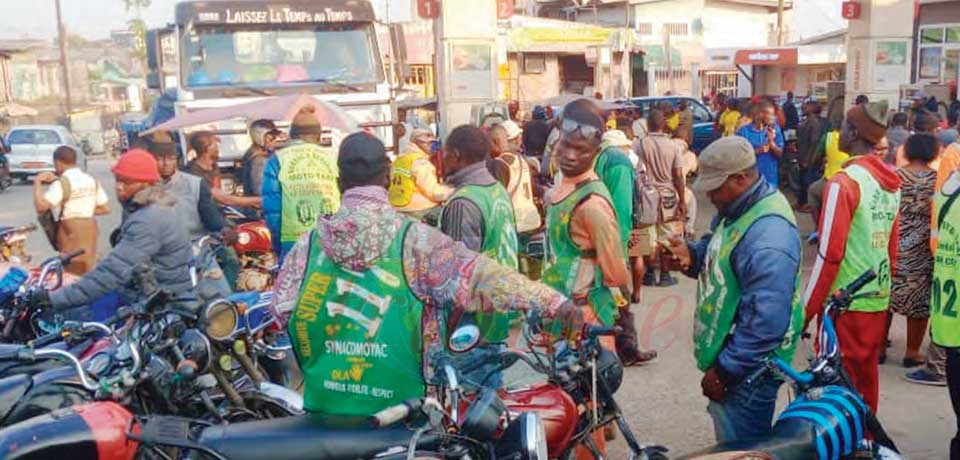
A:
x,y
663,400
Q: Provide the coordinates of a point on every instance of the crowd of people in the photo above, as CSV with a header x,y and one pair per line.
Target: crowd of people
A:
x,y
443,234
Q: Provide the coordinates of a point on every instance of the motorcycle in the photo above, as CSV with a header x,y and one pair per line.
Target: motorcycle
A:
x,y
790,172
20,320
13,243
258,263
578,398
828,420
444,427
5,180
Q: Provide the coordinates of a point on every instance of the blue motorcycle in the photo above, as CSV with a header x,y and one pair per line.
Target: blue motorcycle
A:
x,y
828,420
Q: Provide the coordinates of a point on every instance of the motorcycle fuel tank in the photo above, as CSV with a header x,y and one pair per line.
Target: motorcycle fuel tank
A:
x,y
253,237
95,431
555,407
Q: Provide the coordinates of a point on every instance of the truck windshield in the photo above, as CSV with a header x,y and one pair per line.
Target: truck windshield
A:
x,y
271,56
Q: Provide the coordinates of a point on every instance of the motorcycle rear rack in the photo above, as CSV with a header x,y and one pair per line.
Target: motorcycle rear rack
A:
x,y
169,431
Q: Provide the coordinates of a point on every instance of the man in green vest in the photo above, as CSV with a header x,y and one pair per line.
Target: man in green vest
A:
x,y
479,213
299,183
748,296
859,231
944,318
365,294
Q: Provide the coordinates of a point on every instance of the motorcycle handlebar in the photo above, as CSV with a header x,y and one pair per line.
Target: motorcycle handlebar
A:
x,y
66,258
45,340
860,282
394,414
598,331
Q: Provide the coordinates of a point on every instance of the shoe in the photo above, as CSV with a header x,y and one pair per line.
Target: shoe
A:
x,y
640,358
649,278
924,377
910,362
666,280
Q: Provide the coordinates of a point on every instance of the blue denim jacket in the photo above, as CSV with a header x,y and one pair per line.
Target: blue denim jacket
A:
x,y
271,194
765,263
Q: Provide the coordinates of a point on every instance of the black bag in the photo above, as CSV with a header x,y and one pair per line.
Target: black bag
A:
x,y
51,224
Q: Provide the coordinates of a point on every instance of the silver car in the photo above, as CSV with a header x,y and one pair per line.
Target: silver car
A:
x,y
31,149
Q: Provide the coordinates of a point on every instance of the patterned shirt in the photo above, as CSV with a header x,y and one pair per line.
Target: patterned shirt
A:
x,y
442,273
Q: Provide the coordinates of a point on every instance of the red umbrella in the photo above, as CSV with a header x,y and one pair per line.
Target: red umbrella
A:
x,y
276,108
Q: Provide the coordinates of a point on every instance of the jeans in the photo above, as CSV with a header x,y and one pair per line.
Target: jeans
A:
x,y
747,412
478,376
808,176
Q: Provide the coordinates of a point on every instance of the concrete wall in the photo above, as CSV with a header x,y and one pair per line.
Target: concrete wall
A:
x,y
532,88
777,80
728,24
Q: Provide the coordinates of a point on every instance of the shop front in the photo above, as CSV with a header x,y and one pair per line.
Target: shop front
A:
x,y
805,70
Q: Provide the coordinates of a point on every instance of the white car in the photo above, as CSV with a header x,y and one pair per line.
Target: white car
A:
x,y
31,149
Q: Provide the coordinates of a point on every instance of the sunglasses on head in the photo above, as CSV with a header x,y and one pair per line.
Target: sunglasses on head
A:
x,y
569,126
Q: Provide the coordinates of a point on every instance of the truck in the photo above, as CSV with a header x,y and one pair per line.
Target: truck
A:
x,y
224,52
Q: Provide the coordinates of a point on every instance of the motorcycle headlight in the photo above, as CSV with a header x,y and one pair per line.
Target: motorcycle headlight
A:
x,y
196,348
482,419
525,436
220,319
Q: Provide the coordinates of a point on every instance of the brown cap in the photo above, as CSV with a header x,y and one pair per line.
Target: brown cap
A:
x,y
306,122
725,156
870,120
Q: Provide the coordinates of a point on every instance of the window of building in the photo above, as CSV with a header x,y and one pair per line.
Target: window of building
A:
x,y
534,63
645,28
953,34
677,29
931,35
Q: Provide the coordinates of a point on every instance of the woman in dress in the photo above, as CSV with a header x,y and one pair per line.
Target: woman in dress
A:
x,y
910,290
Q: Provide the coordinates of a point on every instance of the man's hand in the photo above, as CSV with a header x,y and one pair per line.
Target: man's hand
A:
x,y
682,210
679,252
45,177
771,135
571,318
713,388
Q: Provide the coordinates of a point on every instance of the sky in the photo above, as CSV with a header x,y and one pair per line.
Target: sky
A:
x,y
96,18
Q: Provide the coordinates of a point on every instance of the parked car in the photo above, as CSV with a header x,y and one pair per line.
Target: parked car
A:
x,y
32,146
703,118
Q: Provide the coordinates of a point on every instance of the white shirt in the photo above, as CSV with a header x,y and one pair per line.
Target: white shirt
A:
x,y
85,195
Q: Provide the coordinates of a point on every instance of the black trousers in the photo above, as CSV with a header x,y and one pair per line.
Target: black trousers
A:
x,y
626,337
953,383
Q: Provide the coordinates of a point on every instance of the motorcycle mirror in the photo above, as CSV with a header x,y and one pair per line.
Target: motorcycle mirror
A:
x,y
465,338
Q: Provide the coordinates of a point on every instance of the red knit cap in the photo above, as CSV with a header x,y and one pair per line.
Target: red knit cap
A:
x,y
137,165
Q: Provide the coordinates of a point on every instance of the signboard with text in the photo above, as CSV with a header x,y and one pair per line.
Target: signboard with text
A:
x,y
771,56
428,9
851,10
274,12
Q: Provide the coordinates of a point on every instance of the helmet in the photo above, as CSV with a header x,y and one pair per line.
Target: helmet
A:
x,y
258,129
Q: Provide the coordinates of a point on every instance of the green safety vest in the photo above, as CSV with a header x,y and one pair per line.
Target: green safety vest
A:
x,y
499,243
357,335
718,290
563,257
868,240
944,321
308,182
609,158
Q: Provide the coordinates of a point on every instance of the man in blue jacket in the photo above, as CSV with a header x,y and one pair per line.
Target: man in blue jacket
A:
x,y
299,183
749,306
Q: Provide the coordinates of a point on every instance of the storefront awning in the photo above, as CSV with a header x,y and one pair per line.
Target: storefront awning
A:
x,y
766,56
530,39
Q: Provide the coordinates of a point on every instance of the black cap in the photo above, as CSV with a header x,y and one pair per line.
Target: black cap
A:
x,y
362,159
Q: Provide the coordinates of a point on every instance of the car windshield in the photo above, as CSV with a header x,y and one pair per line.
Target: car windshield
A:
x,y
225,56
33,136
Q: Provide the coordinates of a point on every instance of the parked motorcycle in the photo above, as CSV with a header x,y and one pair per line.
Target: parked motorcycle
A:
x,y
828,420
258,263
447,427
13,243
21,321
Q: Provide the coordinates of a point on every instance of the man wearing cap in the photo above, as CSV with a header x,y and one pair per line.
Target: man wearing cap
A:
x,y
299,183
368,255
415,189
509,167
150,234
748,294
859,231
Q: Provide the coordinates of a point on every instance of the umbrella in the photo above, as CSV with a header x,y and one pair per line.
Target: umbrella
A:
x,y
277,108
13,110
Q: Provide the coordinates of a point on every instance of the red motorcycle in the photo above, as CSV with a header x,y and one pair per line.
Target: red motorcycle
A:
x,y
258,263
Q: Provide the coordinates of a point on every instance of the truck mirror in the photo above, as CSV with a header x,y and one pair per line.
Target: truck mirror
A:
x,y
153,49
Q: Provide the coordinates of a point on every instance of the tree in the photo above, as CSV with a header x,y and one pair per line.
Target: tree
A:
x,y
138,26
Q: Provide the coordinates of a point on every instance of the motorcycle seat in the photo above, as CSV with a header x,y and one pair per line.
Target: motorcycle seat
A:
x,y
306,437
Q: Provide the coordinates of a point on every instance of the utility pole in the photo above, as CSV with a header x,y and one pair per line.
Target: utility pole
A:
x,y
780,22
62,38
